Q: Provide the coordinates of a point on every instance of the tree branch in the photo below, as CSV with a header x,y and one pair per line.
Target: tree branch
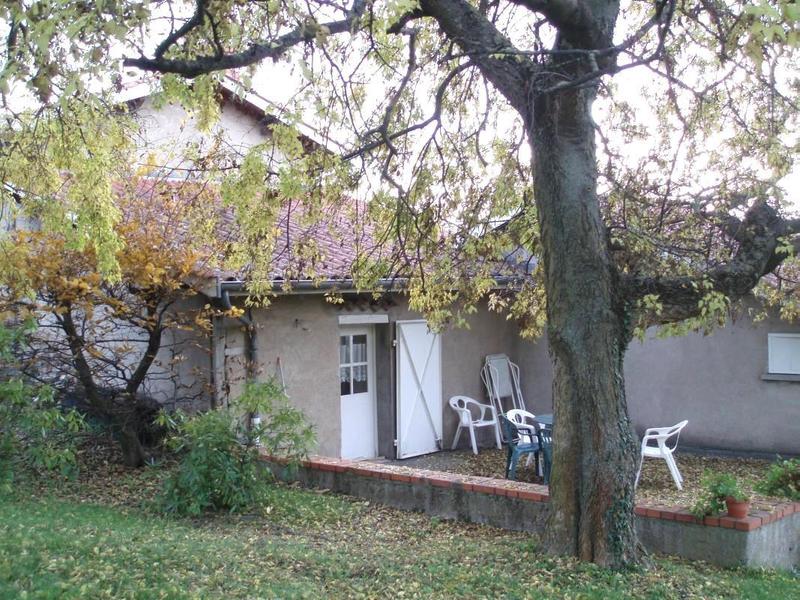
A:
x,y
758,234
195,21
475,34
256,52
386,137
573,19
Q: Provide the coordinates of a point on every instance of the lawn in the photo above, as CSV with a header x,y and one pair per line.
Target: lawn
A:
x,y
89,539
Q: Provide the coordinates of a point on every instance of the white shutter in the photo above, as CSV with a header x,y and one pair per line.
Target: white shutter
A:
x,y
784,353
419,389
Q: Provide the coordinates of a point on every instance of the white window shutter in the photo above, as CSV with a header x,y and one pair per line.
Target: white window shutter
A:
x,y
784,353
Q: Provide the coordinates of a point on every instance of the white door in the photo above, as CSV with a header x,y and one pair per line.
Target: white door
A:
x,y
419,389
357,389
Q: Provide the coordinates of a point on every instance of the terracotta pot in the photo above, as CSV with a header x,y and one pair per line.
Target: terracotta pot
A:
x,y
737,509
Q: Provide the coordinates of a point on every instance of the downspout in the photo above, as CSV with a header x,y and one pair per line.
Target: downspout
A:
x,y
250,337
251,345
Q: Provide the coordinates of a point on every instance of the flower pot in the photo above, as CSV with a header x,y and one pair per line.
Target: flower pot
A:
x,y
737,508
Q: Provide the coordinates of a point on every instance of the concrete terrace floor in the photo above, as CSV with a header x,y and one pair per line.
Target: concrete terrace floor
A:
x,y
655,487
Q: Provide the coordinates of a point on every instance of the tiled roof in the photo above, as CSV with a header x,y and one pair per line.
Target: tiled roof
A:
x,y
308,243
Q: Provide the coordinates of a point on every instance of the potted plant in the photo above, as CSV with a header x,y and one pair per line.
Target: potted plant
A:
x,y
722,490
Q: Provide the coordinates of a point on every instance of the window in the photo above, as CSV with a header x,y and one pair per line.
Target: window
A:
x,y
353,364
784,353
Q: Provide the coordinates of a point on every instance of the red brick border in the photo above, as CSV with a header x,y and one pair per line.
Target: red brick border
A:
x,y
529,492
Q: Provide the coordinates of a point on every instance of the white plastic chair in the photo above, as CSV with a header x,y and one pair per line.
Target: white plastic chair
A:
x,y
524,420
661,435
501,378
487,417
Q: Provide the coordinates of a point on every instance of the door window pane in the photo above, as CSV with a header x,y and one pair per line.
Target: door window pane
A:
x,y
359,379
359,348
344,380
344,350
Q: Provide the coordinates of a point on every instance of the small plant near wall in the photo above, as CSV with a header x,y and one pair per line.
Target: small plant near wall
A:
x,y
782,479
721,491
219,467
36,435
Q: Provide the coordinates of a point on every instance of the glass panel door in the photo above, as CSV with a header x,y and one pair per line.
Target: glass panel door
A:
x,y
353,364
357,403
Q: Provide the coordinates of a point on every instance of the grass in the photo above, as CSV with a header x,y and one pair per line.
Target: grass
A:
x,y
72,541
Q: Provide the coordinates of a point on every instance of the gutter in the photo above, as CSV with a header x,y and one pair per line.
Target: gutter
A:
x,y
308,286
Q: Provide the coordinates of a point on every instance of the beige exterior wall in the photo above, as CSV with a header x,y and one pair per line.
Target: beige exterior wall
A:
x,y
536,374
714,381
181,373
463,354
167,131
304,332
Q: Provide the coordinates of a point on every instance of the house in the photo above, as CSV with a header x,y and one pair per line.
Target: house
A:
x,y
374,380
367,373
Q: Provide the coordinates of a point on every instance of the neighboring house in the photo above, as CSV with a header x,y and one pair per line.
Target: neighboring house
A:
x,y
374,380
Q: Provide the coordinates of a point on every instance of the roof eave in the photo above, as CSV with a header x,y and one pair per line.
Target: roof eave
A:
x,y
281,287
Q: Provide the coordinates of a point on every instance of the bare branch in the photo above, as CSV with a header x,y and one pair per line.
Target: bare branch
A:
x,y
387,137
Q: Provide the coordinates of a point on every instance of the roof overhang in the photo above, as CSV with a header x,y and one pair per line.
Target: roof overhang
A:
x,y
281,287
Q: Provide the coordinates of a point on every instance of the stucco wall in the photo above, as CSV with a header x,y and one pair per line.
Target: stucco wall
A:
x,y
168,130
304,332
181,373
536,374
463,354
713,381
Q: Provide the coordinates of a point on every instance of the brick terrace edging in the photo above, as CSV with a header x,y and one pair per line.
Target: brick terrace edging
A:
x,y
503,503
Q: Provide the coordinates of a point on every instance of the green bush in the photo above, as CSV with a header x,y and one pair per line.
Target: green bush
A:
x,y
219,467
717,487
782,479
35,435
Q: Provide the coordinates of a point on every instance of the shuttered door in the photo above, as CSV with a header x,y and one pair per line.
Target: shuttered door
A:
x,y
419,389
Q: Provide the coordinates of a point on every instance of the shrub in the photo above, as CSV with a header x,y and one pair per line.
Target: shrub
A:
x,y
219,467
782,479
717,487
35,435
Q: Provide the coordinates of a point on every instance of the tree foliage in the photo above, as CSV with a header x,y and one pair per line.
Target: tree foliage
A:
x,y
116,339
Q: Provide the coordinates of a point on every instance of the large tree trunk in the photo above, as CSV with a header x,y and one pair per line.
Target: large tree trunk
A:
x,y
595,453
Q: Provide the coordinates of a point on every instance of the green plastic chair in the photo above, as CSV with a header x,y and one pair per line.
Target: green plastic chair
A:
x,y
516,447
544,435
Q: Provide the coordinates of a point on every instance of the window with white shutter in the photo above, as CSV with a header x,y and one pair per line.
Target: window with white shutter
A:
x,y
784,353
